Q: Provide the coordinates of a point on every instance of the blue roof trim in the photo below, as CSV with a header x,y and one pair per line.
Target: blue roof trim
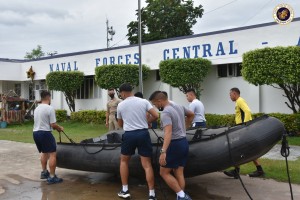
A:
x,y
11,60
152,42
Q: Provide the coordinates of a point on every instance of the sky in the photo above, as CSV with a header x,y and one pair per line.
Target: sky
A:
x,y
67,26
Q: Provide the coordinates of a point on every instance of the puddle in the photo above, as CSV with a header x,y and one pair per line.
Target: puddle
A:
x,y
89,186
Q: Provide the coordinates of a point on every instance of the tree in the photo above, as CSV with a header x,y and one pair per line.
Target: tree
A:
x,y
163,19
185,74
112,76
35,53
278,67
66,82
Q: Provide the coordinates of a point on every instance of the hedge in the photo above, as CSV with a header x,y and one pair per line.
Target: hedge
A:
x,y
61,115
89,116
290,121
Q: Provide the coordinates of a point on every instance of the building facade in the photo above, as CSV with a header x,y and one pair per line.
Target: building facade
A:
x,y
224,48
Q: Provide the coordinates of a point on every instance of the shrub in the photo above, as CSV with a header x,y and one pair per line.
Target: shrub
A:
x,y
276,66
185,74
89,116
214,120
112,76
61,115
67,82
290,121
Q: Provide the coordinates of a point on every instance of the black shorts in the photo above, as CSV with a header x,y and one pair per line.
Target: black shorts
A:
x,y
45,141
177,153
139,139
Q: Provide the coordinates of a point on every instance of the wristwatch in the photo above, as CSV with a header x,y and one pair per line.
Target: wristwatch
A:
x,y
162,151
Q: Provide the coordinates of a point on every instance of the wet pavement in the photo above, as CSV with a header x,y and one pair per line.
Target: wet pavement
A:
x,y
20,170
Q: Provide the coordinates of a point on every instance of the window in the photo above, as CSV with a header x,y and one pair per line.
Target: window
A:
x,y
18,89
89,89
229,70
31,92
43,85
222,70
157,75
239,69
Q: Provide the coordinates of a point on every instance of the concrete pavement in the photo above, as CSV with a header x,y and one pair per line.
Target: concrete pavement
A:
x,y
20,170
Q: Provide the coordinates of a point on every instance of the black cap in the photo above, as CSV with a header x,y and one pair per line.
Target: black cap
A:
x,y
125,87
139,94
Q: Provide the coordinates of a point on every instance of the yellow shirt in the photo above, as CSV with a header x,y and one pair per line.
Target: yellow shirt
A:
x,y
242,111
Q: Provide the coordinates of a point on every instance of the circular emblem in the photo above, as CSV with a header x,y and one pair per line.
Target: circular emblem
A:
x,y
283,14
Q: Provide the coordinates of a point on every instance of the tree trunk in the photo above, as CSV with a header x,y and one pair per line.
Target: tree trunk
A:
x,y
70,99
292,93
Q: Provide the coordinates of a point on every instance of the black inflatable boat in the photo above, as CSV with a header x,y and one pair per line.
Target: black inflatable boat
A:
x,y
210,150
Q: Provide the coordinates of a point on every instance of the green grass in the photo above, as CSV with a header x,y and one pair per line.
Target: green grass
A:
x,y
276,169
295,140
76,131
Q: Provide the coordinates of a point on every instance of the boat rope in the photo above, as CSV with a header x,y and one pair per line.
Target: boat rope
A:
x,y
160,140
72,141
285,152
84,147
234,164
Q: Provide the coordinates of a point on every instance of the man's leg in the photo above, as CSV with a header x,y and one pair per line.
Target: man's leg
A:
x,y
259,170
116,126
146,163
256,163
233,173
124,170
111,126
171,181
52,163
178,173
44,160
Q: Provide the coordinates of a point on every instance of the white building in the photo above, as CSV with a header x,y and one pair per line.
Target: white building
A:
x,y
224,48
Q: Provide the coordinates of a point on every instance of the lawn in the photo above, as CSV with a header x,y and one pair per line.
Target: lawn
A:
x,y
275,169
295,140
76,131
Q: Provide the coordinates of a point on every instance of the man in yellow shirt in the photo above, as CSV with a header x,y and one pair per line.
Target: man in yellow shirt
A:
x,y
242,114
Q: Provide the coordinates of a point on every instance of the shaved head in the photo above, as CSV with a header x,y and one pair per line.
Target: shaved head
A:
x,y
158,95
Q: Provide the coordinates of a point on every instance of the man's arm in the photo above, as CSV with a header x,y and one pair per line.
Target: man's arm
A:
x,y
53,123
167,141
55,126
120,123
189,118
192,107
243,106
153,115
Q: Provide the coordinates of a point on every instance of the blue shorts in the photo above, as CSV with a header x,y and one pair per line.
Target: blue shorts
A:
x,y
45,141
139,139
177,153
199,124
